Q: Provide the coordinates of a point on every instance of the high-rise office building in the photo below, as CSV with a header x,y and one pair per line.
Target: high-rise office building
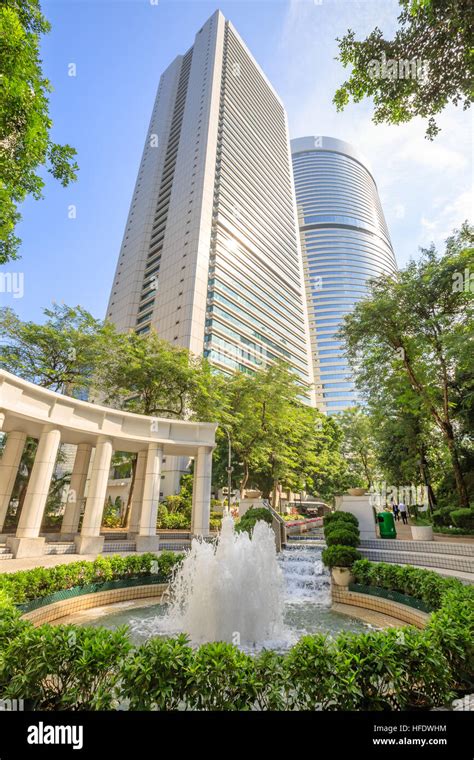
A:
x,y
345,242
210,256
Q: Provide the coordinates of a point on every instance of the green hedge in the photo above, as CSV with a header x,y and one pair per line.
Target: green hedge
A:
x,y
68,667
463,518
80,668
26,585
425,585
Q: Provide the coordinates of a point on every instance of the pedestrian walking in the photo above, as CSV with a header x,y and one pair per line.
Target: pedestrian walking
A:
x,y
396,512
404,512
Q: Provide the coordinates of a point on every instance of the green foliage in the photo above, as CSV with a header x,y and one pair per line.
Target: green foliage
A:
x,y
425,585
442,517
342,537
251,517
156,675
358,446
25,123
112,511
437,33
463,518
343,517
452,631
62,353
409,345
276,438
63,667
26,585
339,556
68,667
147,375
223,678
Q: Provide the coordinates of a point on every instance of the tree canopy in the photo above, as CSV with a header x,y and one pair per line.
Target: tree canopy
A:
x,y
427,65
418,327
25,124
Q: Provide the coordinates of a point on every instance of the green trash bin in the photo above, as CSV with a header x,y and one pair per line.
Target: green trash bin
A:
x,y
386,525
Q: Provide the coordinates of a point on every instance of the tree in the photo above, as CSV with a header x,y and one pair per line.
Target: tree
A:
x,y
146,375
276,439
426,66
62,353
420,325
358,447
25,124
408,449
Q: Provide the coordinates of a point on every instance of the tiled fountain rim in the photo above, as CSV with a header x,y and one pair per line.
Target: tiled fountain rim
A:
x,y
55,611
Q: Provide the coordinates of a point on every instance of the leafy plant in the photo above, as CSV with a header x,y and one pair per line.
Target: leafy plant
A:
x,y
156,675
340,556
342,537
463,518
340,516
251,517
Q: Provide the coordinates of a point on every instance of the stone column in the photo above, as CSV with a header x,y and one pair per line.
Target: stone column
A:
x,y
90,541
75,494
202,492
27,542
147,540
137,495
9,464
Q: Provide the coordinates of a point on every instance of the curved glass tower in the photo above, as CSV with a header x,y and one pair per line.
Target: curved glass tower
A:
x,y
345,242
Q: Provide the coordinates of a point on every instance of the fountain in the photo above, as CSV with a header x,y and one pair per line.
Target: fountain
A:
x,y
230,590
237,589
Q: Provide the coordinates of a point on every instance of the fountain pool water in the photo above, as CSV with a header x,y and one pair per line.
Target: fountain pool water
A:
x,y
238,589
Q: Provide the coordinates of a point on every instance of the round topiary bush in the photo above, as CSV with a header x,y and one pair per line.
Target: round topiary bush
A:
x,y
341,525
342,537
340,556
346,517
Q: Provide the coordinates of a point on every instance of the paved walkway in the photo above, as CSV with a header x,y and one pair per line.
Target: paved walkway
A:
x,y
404,534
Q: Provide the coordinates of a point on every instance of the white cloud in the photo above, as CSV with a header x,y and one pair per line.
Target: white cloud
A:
x,y
425,186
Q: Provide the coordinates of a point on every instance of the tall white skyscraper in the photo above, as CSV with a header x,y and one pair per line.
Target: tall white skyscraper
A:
x,y
210,256
345,242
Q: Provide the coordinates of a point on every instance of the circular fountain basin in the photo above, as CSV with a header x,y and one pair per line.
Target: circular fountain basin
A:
x,y
304,602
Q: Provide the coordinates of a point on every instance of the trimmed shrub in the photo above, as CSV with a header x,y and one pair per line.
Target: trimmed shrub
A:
x,y
451,630
251,517
340,556
155,676
463,518
222,678
25,585
343,516
63,667
425,585
342,536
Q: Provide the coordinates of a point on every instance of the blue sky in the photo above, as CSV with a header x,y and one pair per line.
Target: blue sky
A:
x,y
120,48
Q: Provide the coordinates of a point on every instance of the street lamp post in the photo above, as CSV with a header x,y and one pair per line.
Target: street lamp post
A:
x,y
229,467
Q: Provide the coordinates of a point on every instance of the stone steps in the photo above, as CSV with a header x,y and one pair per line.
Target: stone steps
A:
x,y
119,546
420,547
5,553
60,547
458,562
